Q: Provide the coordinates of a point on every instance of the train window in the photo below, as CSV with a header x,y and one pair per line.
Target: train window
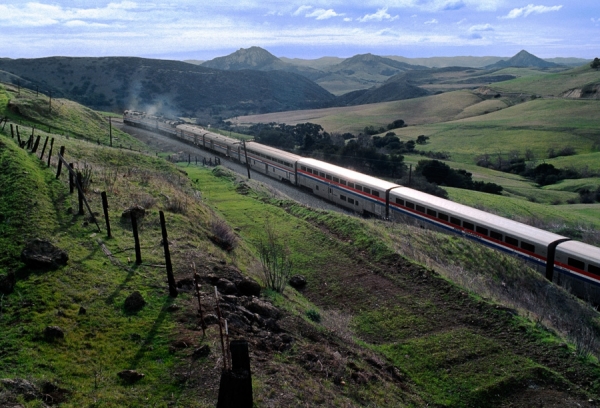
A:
x,y
335,179
316,186
321,174
351,185
454,221
367,190
593,269
443,216
481,230
399,201
420,208
342,197
511,240
269,158
431,212
287,164
576,263
410,205
375,193
468,225
358,187
356,202
343,182
351,201
496,235
328,177
527,246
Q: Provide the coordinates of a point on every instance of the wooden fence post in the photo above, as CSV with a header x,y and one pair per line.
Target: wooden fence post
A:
x,y
50,152
71,181
36,144
12,133
44,148
79,192
136,238
105,207
18,136
235,389
59,167
170,277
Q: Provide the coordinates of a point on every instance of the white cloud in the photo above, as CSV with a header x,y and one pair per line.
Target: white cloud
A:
x,y
432,21
301,10
380,15
481,27
530,9
347,19
464,20
322,14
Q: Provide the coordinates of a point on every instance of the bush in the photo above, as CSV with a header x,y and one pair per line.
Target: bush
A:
x,y
275,260
313,315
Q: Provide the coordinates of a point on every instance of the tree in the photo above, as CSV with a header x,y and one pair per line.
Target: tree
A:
x,y
422,139
275,259
595,63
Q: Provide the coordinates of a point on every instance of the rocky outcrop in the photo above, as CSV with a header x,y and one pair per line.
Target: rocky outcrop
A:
x,y
41,253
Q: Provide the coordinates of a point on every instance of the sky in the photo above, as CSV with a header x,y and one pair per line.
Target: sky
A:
x,y
202,30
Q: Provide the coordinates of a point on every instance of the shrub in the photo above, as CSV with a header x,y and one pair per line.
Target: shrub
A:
x,y
275,260
313,315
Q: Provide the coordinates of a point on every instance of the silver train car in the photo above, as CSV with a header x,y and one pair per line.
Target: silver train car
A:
x,y
567,262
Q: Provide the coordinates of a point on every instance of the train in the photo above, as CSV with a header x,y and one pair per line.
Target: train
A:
x,y
567,262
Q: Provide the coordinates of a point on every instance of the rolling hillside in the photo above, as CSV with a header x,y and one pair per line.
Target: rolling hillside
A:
x,y
169,87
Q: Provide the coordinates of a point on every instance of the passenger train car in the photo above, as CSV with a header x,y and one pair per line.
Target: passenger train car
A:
x,y
562,260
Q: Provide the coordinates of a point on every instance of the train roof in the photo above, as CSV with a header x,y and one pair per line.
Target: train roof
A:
x,y
477,216
268,149
581,250
351,175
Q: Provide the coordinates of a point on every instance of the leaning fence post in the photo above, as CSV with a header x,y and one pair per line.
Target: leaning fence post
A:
x,y
71,182
59,167
136,238
105,207
18,136
170,277
50,152
44,148
36,144
12,133
79,192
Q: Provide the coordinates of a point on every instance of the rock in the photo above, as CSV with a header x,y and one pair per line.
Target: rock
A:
x,y
186,284
211,319
203,351
297,281
41,253
262,308
134,302
137,210
22,387
249,287
360,378
226,287
130,376
7,283
173,308
82,310
53,332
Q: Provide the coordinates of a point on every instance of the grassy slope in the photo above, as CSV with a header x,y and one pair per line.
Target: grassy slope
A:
x,y
551,84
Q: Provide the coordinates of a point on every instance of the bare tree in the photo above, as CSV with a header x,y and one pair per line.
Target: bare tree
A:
x,y
275,259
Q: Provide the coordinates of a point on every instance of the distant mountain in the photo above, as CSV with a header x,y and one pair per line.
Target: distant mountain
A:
x,y
194,61
443,62
568,62
525,60
256,58
321,64
117,83
362,71
389,91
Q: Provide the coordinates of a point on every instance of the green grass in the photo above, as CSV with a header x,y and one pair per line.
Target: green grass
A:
x,y
460,368
551,84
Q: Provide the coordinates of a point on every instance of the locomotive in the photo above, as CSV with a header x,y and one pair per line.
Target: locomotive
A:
x,y
564,261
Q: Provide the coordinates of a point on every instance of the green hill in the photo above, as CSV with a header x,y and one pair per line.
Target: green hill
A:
x,y
391,315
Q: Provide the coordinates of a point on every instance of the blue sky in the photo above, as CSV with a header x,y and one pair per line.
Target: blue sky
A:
x,y
300,29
